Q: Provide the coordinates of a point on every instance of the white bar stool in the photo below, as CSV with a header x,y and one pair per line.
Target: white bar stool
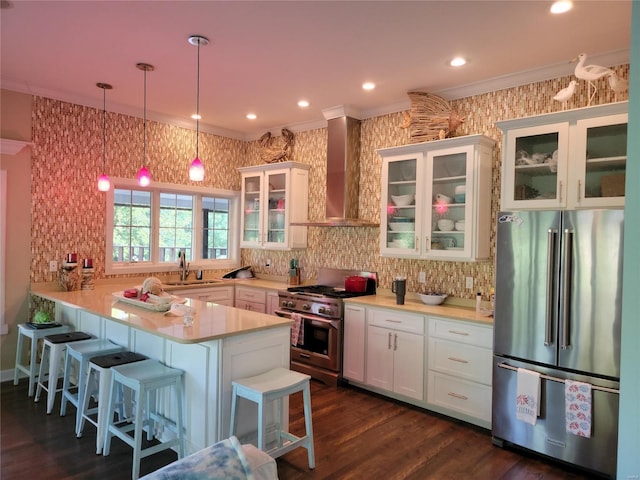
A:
x,y
97,385
271,386
81,352
53,348
145,378
34,334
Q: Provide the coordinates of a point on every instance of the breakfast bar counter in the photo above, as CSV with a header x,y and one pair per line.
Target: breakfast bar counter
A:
x,y
222,344
210,321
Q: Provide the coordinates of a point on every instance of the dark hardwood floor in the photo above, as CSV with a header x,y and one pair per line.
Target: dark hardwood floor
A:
x,y
358,435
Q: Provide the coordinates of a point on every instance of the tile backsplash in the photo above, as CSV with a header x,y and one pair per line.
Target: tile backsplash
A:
x,y
68,213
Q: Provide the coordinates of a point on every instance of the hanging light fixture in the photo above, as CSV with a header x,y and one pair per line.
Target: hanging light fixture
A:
x,y
196,170
104,184
144,176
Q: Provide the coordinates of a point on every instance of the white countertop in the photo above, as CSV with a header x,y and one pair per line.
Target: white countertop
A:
x,y
211,321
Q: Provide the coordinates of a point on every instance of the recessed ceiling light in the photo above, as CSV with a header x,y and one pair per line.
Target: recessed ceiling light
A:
x,y
195,116
368,86
251,116
561,6
303,103
457,62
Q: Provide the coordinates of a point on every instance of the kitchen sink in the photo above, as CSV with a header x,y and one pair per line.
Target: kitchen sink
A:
x,y
191,283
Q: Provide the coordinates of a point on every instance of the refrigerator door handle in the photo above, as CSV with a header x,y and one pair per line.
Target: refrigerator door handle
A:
x,y
552,236
565,295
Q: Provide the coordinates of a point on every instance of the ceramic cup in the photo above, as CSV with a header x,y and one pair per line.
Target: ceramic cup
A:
x,y
442,198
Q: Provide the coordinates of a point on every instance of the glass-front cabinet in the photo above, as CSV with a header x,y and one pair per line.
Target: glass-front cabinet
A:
x,y
273,197
436,199
571,159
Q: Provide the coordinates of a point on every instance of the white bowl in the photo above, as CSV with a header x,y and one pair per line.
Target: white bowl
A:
x,y
403,200
402,227
445,225
460,189
432,298
460,225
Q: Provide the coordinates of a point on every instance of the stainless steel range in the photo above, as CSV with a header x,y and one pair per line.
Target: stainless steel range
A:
x,y
318,351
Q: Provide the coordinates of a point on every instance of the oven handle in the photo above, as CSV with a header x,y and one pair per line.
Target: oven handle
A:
x,y
315,321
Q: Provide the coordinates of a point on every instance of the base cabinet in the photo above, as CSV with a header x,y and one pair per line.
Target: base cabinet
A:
x,y
439,364
460,369
253,299
354,343
219,295
395,352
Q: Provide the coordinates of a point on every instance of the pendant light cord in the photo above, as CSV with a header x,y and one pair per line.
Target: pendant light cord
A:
x,y
144,123
198,105
104,130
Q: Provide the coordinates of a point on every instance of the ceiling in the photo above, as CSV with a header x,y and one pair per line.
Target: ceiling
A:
x,y
264,56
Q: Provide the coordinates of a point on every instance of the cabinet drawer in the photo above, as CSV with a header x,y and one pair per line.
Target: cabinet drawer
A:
x,y
459,395
461,332
405,322
215,295
252,306
466,361
251,295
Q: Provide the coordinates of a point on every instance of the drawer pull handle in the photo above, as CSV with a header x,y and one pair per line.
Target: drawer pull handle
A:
x,y
457,395
456,332
392,321
459,360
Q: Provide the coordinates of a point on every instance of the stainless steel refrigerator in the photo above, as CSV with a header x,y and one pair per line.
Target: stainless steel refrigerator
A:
x,y
558,312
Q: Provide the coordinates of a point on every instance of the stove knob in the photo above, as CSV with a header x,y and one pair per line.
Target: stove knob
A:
x,y
284,303
328,312
306,306
321,310
291,304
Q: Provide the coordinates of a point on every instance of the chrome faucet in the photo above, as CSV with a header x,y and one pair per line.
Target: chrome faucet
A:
x,y
183,265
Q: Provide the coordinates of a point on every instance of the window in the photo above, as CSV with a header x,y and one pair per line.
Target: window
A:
x,y
148,227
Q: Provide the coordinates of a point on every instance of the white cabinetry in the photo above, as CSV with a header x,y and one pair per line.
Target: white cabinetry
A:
x,y
272,302
571,159
442,180
274,196
395,352
219,295
459,376
354,341
253,299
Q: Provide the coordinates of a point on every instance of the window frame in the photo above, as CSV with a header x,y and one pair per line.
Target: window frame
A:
x,y
233,260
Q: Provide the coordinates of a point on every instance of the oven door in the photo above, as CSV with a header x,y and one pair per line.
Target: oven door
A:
x,y
318,343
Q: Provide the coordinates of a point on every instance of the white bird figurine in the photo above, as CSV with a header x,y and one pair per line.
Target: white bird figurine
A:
x,y
566,93
618,84
590,73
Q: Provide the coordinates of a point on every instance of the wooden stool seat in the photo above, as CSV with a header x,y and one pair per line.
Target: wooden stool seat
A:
x,y
144,379
53,348
81,352
97,384
33,333
263,389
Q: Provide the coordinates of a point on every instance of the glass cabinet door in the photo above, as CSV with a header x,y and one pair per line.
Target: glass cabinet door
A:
x,y
401,190
276,208
535,167
450,199
602,145
251,205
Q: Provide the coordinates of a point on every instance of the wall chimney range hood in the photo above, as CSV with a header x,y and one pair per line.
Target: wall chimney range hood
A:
x,y
343,172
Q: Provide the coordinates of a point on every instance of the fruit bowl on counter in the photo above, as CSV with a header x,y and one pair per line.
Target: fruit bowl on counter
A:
x,y
432,298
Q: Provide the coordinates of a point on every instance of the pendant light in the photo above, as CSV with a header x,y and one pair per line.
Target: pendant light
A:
x,y
144,176
104,184
196,170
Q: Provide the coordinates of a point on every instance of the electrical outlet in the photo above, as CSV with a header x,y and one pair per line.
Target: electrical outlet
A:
x,y
267,263
422,277
53,266
469,282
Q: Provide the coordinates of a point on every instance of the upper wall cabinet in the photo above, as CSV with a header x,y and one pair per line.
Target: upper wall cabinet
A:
x,y
565,160
274,196
436,199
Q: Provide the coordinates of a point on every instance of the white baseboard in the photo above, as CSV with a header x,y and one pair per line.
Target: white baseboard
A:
x,y
6,375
